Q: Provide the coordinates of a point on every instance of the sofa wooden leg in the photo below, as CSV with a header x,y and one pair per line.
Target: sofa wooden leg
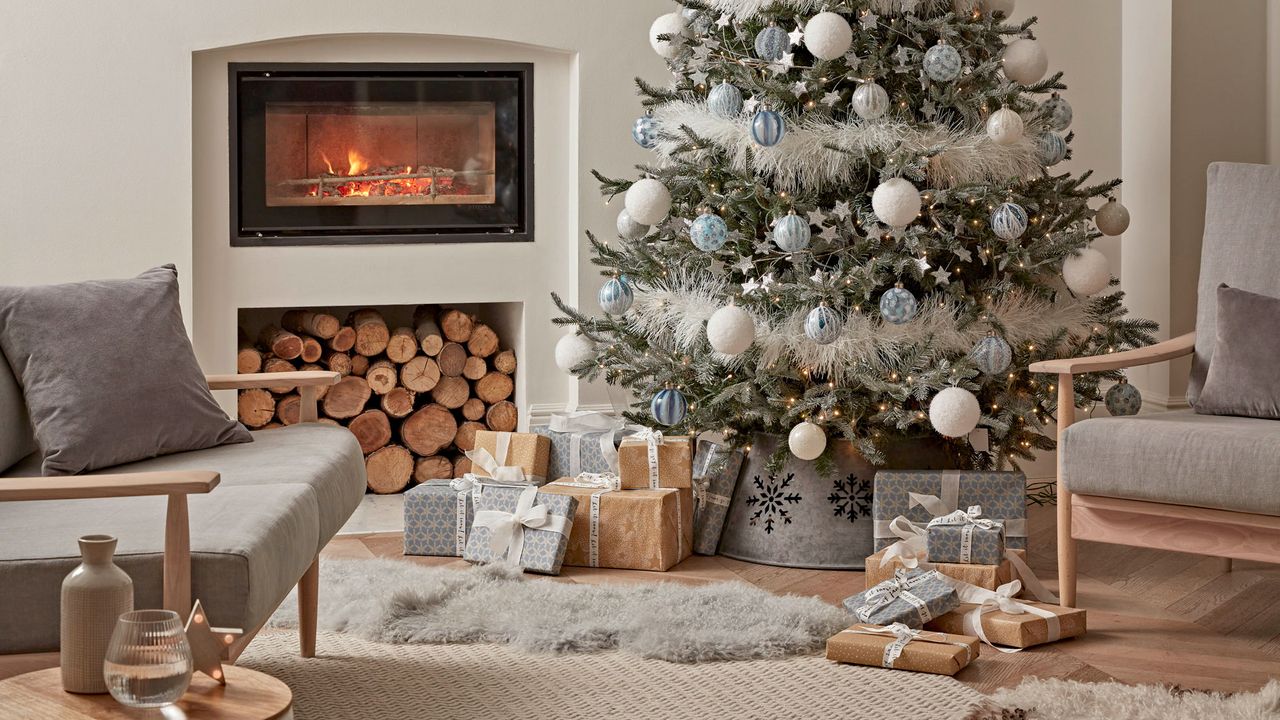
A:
x,y
1226,565
1066,543
308,600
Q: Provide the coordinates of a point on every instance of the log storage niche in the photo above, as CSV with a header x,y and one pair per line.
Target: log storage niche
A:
x,y
418,382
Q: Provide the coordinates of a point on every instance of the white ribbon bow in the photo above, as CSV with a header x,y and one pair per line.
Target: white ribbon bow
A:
x,y
507,528
912,548
887,591
582,422
502,474
903,635
1003,599
972,516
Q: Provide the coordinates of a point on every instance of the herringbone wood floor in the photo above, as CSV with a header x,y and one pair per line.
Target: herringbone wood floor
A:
x,y
1154,616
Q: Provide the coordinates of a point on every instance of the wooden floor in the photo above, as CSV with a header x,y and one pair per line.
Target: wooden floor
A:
x,y
1154,616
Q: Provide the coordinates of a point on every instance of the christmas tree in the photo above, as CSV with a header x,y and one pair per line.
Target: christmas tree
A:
x,y
852,228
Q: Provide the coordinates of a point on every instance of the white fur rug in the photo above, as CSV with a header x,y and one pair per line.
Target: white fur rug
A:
x,y
1036,699
399,602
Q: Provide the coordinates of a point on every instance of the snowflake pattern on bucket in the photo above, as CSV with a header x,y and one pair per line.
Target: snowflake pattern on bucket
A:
x,y
772,500
851,498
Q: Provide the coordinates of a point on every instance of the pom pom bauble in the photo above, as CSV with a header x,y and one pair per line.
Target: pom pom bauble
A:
x,y
616,296
731,330
898,305
1025,61
767,128
828,35
630,229
870,101
954,412
1086,273
645,132
1051,149
1057,112
992,355
668,407
807,441
573,350
1004,127
1009,221
725,100
1123,399
648,201
771,43
672,24
896,202
943,63
1112,218
823,325
709,232
791,234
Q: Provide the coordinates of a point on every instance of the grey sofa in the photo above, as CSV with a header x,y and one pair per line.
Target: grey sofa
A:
x,y
259,516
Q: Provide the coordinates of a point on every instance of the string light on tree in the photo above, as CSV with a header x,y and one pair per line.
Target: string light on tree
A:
x,y
807,441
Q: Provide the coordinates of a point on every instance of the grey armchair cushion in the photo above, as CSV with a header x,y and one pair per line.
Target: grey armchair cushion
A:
x,y
16,440
108,373
1244,378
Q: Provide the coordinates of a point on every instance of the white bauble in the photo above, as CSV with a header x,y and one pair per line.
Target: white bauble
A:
x,y
1005,127
648,201
672,24
573,349
870,101
807,441
629,229
1087,272
1112,218
1025,61
896,202
731,330
954,412
828,35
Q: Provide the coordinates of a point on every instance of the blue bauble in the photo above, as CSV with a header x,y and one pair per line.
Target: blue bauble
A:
x,y
767,128
645,132
668,407
709,232
1057,112
1009,221
898,305
1123,399
1051,148
725,100
823,325
772,43
942,63
791,233
992,355
616,296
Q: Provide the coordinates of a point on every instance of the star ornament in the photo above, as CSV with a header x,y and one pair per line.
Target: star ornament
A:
x,y
208,644
831,98
797,35
724,20
799,88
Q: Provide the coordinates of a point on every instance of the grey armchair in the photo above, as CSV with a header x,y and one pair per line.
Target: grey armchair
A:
x,y
1180,481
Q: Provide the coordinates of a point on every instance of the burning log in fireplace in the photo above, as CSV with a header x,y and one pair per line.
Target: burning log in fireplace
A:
x,y
424,184
414,397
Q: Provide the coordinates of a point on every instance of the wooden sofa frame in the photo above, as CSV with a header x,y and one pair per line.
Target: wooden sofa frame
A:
x,y
177,485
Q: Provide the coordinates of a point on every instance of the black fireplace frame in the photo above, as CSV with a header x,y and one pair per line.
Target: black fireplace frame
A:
x,y
442,222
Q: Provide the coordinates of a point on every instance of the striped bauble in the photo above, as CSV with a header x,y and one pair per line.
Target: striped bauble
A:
x,y
725,100
616,296
823,325
772,43
992,355
645,132
1009,221
1051,148
791,233
767,128
870,101
668,406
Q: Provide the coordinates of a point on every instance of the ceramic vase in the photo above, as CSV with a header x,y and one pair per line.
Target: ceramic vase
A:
x,y
94,596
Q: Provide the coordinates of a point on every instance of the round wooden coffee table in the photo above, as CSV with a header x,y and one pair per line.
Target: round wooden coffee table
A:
x,y
248,695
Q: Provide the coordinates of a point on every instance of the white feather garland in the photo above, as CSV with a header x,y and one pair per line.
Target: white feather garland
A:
x,y
805,158
744,9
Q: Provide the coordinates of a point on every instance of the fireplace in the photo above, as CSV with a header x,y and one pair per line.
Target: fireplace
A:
x,y
380,153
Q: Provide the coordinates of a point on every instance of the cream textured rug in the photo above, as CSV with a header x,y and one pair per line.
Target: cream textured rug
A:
x,y
1036,699
355,679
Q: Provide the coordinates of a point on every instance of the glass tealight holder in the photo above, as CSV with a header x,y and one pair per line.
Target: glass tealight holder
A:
x,y
148,662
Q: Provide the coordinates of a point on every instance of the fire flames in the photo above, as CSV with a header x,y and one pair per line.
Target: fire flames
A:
x,y
382,180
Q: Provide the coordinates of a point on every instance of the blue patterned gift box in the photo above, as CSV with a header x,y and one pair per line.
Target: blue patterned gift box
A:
x,y
437,519
715,477
522,526
965,537
574,453
1002,496
912,597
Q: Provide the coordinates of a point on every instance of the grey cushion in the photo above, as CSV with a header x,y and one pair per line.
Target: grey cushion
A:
x,y
16,440
1241,248
1244,378
1229,463
108,373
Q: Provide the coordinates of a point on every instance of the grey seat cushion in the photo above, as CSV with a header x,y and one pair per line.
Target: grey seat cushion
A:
x,y
1228,463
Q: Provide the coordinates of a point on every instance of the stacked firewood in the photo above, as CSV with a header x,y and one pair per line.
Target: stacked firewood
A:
x,y
414,397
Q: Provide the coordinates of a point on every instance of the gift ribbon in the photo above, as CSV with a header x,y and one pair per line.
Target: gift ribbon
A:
x,y
902,636
912,549
470,484
1002,599
969,521
496,470
581,422
508,528
896,588
946,502
652,438
702,494
603,483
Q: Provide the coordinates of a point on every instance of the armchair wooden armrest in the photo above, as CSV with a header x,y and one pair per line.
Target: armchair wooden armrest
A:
x,y
308,383
1160,352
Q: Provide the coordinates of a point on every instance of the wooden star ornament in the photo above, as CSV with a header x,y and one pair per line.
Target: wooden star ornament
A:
x,y
208,644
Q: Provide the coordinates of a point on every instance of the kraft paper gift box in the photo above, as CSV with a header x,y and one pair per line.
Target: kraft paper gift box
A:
x,y
528,451
1002,496
669,466
1018,630
911,597
715,476
902,648
437,518
628,529
521,525
988,577
965,537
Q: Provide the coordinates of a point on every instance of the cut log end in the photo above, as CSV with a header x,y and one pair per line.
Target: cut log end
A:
x,y
372,430
278,365
483,341
434,467
429,430
420,374
389,469
474,368
344,339
452,359
311,349
281,343
494,387
466,438
502,416
399,402
255,407
456,325
473,408
382,376
346,399
402,346
505,362
451,392
321,325
372,334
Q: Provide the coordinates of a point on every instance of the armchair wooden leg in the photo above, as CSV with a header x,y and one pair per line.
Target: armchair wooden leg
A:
x,y
1226,565
308,600
177,557
1066,544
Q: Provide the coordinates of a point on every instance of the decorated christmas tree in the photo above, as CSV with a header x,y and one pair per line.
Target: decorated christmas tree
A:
x,y
852,227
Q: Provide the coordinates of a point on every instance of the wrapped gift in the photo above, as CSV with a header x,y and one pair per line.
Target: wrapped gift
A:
x,y
902,648
528,452
911,597
521,525
632,529
715,476
921,495
964,536
999,619
582,442
437,518
647,459
984,576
